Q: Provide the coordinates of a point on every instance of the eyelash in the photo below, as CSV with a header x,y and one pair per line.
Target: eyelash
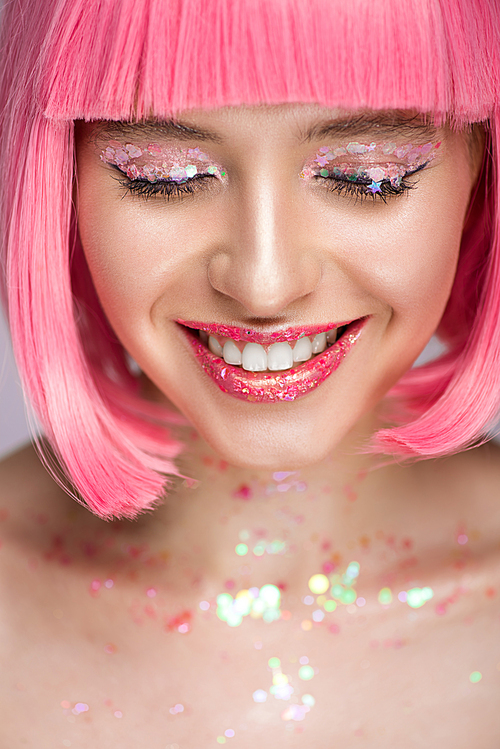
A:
x,y
168,189
341,185
358,188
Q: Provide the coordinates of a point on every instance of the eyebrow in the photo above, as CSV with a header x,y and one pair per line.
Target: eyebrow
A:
x,y
369,123
169,129
382,123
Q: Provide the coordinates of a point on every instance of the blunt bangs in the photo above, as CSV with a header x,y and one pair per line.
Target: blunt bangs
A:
x,y
123,59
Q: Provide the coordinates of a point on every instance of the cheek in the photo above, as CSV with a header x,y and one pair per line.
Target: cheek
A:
x,y
136,256
407,257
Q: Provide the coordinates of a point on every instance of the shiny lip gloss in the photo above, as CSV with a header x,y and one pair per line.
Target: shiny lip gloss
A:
x,y
258,387
264,338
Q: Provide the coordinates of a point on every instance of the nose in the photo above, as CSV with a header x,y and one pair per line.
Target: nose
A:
x,y
265,264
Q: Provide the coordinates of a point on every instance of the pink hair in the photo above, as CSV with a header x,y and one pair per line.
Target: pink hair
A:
x,y
64,60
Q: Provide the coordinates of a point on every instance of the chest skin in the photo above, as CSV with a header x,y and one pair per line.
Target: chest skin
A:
x,y
104,644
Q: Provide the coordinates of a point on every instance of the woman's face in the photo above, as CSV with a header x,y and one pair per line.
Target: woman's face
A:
x,y
271,226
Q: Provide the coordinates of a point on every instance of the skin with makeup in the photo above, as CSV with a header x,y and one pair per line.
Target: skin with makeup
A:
x,y
272,272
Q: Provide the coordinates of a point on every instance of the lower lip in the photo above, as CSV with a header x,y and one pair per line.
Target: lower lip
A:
x,y
257,387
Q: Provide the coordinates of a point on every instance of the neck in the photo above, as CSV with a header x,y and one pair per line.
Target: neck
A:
x,y
235,528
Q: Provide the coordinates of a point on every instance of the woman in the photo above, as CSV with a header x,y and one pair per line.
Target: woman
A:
x,y
229,229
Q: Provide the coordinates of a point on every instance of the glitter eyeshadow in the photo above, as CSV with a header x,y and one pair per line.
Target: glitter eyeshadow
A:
x,y
152,163
370,175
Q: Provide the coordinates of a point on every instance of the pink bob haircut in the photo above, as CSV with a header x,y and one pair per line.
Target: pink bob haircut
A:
x,y
67,60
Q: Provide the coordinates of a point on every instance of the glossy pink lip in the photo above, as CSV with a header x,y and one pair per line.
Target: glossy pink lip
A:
x,y
258,387
264,338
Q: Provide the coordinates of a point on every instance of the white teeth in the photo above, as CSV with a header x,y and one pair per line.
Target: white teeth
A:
x,y
331,336
254,358
319,343
302,350
231,353
279,356
214,346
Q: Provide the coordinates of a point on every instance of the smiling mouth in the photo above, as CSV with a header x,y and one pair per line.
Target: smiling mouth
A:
x,y
241,349
251,378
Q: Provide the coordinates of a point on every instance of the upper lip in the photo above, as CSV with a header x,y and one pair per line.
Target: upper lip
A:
x,y
264,337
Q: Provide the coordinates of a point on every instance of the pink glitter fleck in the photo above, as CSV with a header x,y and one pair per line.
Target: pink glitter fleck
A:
x,y
243,492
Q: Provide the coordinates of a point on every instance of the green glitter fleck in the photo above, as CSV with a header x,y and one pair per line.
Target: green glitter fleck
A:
x,y
306,673
241,550
475,677
385,596
274,663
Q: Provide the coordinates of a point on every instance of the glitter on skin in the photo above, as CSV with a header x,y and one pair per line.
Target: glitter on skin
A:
x,y
319,584
204,605
385,596
475,677
308,700
176,709
342,589
263,603
260,695
306,673
80,707
416,597
241,550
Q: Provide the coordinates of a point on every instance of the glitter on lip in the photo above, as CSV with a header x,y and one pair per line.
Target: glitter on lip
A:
x,y
264,338
281,386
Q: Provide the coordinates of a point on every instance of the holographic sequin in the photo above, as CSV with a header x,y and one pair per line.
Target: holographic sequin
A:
x,y
318,584
385,596
257,603
416,597
153,163
371,176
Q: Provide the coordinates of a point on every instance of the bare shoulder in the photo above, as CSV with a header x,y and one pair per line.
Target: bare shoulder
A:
x,y
475,470
20,473
467,487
